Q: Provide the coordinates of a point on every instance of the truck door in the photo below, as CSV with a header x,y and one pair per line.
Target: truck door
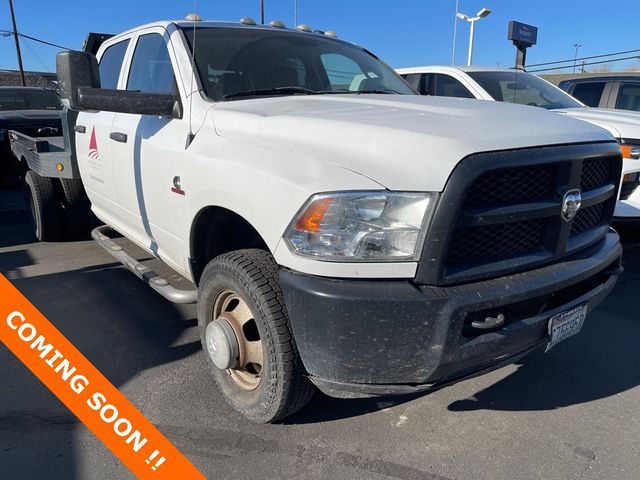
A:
x,y
148,154
92,138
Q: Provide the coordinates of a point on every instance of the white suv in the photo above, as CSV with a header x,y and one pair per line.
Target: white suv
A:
x,y
515,86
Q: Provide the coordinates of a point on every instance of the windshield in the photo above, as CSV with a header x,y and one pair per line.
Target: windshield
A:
x,y
523,88
18,99
235,63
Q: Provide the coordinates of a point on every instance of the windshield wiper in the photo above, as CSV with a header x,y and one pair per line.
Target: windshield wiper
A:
x,y
386,91
305,91
358,92
272,91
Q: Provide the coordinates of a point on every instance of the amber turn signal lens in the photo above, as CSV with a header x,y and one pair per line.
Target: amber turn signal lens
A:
x,y
311,219
627,150
59,167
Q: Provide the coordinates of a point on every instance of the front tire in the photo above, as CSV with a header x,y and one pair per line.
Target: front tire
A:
x,y
266,381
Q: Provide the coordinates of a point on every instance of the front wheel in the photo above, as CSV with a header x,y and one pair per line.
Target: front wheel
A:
x,y
247,339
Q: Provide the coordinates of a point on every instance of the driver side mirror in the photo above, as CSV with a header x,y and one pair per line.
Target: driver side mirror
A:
x,y
79,83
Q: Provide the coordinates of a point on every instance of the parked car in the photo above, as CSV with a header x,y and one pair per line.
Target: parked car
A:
x,y
30,110
615,92
516,86
341,231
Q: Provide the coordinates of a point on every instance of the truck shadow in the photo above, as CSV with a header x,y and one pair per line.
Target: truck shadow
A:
x,y
123,338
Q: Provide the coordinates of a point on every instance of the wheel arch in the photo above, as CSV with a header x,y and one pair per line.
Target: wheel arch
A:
x,y
216,230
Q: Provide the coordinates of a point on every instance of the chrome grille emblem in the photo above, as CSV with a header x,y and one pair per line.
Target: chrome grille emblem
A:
x,y
571,204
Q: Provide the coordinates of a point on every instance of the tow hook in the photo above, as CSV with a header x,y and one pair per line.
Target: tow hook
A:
x,y
615,269
489,322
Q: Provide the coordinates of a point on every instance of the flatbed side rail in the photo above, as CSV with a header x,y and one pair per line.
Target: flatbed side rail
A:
x,y
49,156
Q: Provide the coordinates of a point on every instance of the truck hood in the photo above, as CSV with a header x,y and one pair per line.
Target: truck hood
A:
x,y
620,124
402,142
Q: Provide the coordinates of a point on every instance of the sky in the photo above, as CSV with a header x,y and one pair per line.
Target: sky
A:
x,y
402,32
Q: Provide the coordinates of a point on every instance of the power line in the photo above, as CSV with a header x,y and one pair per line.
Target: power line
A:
x,y
36,39
571,60
584,64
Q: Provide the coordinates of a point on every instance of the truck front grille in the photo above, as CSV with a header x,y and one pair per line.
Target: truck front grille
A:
x,y
587,218
502,239
505,187
500,212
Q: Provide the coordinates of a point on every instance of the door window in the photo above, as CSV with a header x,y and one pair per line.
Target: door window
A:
x,y
629,96
424,87
412,79
151,69
447,86
589,93
111,64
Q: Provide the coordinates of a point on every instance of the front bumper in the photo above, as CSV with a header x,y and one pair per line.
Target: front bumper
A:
x,y
380,337
628,210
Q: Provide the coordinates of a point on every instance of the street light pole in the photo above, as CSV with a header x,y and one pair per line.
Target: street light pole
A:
x,y
262,12
471,32
455,32
575,58
472,20
15,36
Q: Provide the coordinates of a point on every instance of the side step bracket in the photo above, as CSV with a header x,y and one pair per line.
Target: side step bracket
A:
x,y
144,273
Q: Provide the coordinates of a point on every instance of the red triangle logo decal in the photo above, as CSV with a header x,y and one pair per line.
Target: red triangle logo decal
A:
x,y
93,145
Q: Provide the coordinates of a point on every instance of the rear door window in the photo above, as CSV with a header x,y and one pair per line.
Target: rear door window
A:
x,y
589,93
628,96
111,64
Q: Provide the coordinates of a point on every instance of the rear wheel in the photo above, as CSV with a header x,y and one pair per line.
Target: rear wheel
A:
x,y
76,208
44,204
245,333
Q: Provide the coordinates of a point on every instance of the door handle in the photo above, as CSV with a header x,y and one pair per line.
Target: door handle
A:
x,y
80,128
118,137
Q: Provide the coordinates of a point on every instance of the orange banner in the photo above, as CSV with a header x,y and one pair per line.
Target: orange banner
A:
x,y
86,392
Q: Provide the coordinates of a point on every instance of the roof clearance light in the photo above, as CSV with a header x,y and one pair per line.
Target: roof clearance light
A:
x,y
331,34
278,24
304,28
247,21
193,17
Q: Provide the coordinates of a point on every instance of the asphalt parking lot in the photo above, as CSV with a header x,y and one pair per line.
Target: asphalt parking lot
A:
x,y
570,413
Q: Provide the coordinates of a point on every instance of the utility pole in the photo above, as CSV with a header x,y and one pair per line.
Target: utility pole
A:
x,y
262,12
575,58
295,13
15,36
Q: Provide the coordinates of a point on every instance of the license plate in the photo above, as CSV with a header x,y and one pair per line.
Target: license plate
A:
x,y
566,324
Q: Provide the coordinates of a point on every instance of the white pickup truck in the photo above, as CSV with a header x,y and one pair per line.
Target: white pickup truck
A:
x,y
516,86
341,231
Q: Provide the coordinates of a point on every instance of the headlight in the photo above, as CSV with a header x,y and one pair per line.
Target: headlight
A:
x,y
629,150
362,226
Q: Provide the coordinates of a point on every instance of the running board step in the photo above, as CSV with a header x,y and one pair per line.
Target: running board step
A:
x,y
144,273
